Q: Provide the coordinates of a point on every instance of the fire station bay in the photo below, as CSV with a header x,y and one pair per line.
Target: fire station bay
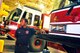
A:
x,y
39,26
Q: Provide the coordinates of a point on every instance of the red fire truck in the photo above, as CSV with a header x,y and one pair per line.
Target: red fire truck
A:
x,y
64,28
35,20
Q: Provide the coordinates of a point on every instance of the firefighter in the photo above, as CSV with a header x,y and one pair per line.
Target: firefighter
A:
x,y
23,35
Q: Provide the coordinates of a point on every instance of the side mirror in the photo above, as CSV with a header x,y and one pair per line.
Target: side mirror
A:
x,y
70,10
3,18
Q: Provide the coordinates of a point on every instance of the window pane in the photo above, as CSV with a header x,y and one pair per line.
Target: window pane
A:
x,y
24,15
37,20
29,18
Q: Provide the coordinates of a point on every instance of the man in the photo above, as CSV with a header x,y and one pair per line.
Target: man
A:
x,y
23,35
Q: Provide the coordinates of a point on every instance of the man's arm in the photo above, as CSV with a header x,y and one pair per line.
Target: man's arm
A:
x,y
16,34
41,31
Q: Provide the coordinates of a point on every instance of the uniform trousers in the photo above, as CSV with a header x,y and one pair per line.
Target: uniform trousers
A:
x,y
21,49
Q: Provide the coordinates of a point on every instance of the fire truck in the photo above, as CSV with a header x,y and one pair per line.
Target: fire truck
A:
x,y
64,27
37,20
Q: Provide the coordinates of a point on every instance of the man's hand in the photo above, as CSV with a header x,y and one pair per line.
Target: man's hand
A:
x,y
41,31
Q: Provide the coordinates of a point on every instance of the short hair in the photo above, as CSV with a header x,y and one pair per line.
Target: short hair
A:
x,y
24,19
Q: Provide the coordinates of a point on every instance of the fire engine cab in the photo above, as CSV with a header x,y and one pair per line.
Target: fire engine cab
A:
x,y
34,16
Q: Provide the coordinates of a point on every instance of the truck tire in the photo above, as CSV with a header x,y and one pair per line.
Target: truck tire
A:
x,y
36,45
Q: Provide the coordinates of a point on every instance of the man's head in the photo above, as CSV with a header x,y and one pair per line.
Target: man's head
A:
x,y
23,22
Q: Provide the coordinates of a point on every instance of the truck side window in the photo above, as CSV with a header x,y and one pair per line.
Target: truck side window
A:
x,y
24,15
37,20
29,18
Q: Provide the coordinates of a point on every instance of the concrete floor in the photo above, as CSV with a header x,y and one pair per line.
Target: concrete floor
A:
x,y
10,44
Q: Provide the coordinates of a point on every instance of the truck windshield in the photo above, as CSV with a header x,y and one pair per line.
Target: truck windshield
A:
x,y
59,4
16,14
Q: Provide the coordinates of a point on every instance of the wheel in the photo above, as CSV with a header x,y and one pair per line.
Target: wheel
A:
x,y
36,45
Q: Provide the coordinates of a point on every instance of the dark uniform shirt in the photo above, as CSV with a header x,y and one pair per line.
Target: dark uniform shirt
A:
x,y
23,35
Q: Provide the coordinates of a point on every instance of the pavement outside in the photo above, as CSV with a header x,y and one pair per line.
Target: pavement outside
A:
x,y
10,46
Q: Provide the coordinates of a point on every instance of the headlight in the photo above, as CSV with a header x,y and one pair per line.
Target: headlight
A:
x,y
58,28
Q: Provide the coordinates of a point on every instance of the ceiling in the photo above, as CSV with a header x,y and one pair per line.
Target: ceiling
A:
x,y
44,5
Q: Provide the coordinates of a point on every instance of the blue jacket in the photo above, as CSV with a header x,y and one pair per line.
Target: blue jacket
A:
x,y
23,35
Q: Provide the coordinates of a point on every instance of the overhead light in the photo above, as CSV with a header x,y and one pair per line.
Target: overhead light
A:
x,y
1,2
41,6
